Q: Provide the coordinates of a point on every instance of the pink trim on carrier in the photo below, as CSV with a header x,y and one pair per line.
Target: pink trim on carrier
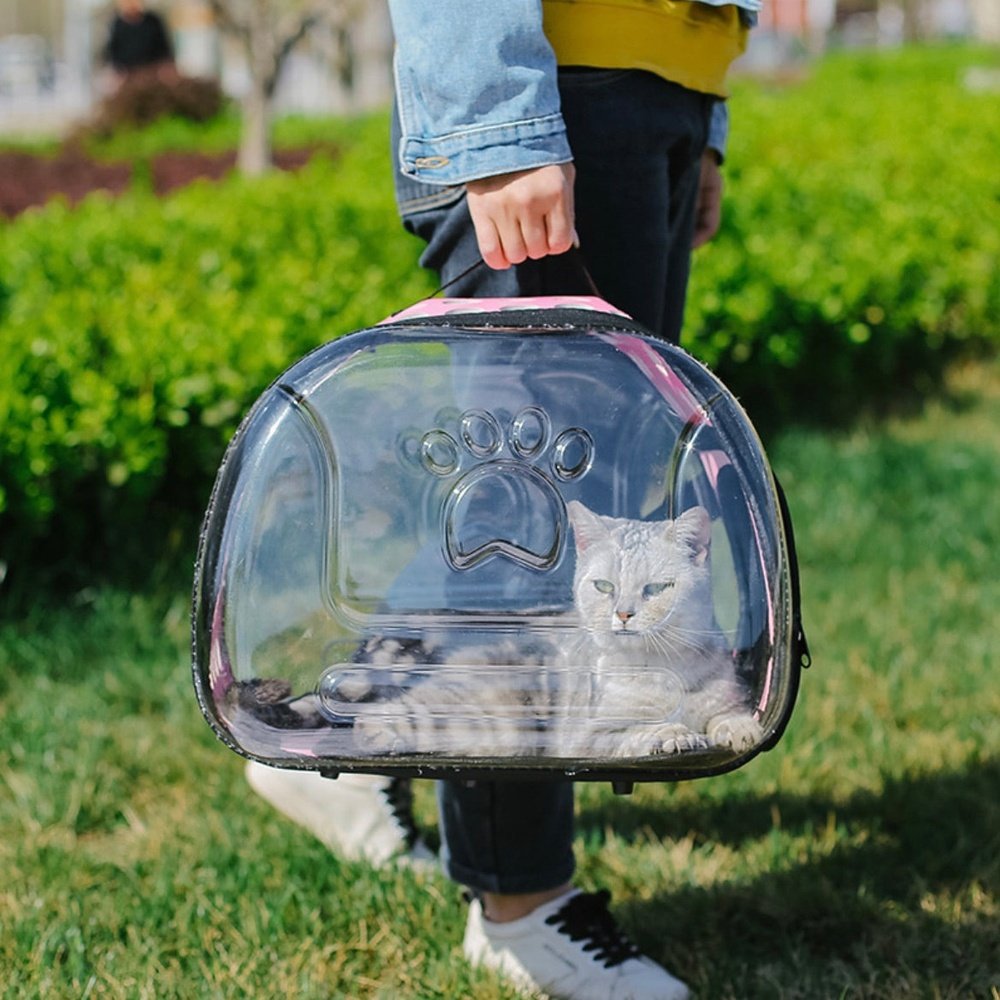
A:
x,y
444,307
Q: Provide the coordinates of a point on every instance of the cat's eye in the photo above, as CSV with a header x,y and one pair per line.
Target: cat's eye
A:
x,y
652,589
604,586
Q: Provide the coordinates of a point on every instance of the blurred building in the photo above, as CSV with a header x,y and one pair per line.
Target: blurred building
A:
x,y
985,16
791,29
331,71
50,71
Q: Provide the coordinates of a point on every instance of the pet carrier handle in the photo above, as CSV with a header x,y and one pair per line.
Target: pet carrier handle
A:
x,y
587,276
574,252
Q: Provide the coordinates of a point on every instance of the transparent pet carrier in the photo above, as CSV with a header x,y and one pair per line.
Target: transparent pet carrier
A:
x,y
491,537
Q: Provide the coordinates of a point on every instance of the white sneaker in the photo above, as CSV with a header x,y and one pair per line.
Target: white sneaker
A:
x,y
358,816
570,949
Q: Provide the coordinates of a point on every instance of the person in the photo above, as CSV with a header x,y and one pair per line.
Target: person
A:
x,y
523,129
138,42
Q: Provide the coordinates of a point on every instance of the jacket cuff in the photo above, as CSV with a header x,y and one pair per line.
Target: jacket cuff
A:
x,y
718,129
485,151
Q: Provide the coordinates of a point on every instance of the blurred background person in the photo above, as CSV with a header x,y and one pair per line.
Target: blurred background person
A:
x,y
138,43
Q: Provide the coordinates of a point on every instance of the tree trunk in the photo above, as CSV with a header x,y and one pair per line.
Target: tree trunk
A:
x,y
262,49
913,20
255,137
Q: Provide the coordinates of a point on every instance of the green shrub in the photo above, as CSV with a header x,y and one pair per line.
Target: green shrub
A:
x,y
135,333
859,255
861,237
143,98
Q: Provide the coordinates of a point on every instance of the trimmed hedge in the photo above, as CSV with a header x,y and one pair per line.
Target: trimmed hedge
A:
x,y
859,255
135,333
143,98
860,250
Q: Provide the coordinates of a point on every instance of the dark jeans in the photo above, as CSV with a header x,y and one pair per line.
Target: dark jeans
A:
x,y
637,143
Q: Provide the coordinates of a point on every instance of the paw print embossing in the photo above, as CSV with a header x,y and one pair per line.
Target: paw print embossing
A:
x,y
503,474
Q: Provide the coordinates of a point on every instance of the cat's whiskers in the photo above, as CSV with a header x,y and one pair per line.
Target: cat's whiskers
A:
x,y
671,642
707,633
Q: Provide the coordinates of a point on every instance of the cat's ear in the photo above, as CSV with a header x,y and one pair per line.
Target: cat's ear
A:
x,y
587,526
694,528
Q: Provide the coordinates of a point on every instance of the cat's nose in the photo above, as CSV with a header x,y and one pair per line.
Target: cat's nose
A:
x,y
624,616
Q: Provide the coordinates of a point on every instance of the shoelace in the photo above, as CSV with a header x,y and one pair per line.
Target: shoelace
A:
x,y
586,918
398,795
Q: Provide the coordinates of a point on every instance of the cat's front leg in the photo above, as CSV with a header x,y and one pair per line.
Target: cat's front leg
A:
x,y
735,732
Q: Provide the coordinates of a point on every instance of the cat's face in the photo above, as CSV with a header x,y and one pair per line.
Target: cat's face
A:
x,y
634,578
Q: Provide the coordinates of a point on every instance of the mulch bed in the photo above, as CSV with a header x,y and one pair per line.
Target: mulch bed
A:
x,y
28,180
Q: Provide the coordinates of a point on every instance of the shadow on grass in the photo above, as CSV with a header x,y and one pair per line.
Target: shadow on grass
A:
x,y
897,906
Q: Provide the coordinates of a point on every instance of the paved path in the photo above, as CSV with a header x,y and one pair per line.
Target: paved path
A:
x,y
44,117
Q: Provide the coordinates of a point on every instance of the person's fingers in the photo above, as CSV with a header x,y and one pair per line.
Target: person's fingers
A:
x,y
512,241
707,223
560,219
522,215
708,208
561,234
490,244
534,236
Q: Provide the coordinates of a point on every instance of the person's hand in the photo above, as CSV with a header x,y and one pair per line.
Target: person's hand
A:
x,y
708,209
524,214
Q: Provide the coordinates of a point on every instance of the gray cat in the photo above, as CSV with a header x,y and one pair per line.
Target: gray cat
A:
x,y
638,670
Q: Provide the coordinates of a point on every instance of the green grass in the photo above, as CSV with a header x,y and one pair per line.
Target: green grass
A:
x,y
858,859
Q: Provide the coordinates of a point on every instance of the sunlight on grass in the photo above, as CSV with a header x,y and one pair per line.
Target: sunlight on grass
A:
x,y
859,858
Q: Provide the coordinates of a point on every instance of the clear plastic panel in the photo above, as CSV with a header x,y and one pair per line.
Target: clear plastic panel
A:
x,y
441,546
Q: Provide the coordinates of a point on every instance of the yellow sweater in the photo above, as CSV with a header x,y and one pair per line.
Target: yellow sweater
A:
x,y
683,41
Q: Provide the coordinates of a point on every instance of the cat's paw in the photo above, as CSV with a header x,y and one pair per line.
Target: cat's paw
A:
x,y
662,741
678,739
735,732
378,736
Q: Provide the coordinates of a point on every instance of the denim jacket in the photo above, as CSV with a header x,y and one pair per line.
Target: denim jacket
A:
x,y
476,89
